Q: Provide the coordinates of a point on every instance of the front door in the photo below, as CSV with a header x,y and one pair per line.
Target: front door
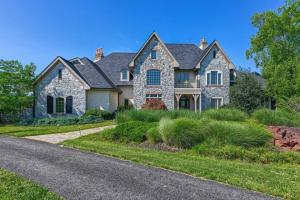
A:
x,y
184,102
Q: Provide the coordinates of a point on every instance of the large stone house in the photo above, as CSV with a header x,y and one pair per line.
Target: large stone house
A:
x,y
183,76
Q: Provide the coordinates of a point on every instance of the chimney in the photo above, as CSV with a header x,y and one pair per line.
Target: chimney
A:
x,y
99,54
203,44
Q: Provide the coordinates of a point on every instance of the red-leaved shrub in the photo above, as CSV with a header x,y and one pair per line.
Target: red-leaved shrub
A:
x,y
154,104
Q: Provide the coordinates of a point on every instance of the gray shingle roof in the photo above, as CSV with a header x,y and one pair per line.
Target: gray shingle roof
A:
x,y
260,80
112,65
187,55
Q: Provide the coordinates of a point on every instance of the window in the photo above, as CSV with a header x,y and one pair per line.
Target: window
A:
x,y
153,54
214,78
59,74
126,102
153,96
216,103
69,104
214,54
182,77
60,105
153,77
124,75
49,104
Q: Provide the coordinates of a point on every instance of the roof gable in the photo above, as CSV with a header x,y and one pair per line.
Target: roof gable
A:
x,y
68,65
154,34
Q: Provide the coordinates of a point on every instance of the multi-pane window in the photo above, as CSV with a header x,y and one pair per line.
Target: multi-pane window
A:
x,y
59,74
60,105
153,96
182,77
214,78
216,103
124,75
153,77
153,54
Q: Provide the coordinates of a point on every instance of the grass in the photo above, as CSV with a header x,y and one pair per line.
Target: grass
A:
x,y
21,131
274,179
16,187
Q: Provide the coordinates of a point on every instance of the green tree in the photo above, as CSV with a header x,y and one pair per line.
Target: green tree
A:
x,y
276,49
16,86
246,94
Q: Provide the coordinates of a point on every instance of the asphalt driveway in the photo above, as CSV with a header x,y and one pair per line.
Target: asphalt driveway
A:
x,y
80,175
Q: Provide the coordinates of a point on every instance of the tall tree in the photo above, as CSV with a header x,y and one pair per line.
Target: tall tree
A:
x,y
16,86
276,49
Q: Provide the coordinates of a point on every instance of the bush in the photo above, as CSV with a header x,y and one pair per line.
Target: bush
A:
x,y
225,114
66,121
182,132
108,134
154,104
153,135
99,113
278,117
133,131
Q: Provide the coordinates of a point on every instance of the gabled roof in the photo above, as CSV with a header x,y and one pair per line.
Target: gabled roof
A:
x,y
154,34
187,55
112,65
68,65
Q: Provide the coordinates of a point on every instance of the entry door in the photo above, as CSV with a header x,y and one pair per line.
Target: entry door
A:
x,y
184,103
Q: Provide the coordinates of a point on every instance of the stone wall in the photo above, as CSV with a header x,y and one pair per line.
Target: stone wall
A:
x,y
68,86
163,63
218,63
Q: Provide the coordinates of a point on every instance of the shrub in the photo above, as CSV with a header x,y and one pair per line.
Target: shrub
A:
x,y
153,135
225,114
124,108
109,134
182,132
133,131
278,117
99,113
154,104
66,121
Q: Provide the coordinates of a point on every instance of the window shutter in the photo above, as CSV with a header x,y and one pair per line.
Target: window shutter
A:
x,y
49,104
69,104
208,79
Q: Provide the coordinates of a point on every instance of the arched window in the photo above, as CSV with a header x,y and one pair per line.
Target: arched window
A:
x,y
69,104
153,77
60,105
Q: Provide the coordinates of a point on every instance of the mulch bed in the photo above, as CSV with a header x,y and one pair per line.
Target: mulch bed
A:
x,y
286,138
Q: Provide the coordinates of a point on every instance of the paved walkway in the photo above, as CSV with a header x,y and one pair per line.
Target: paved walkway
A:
x,y
60,137
78,175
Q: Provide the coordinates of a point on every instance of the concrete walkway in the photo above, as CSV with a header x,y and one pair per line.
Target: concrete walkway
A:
x,y
60,137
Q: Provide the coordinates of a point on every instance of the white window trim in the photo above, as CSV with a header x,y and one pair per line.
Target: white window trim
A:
x,y
121,75
222,101
219,71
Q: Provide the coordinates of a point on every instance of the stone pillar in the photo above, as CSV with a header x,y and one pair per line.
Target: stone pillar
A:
x,y
177,100
195,100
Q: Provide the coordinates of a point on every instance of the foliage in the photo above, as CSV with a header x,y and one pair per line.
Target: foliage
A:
x,y
182,132
246,94
132,131
275,49
154,115
289,104
277,117
62,121
154,104
153,135
16,187
124,108
99,113
264,155
16,84
227,114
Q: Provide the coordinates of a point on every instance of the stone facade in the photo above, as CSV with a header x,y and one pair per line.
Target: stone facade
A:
x,y
69,85
163,62
219,63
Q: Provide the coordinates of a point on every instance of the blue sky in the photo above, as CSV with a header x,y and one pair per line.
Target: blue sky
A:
x,y
38,31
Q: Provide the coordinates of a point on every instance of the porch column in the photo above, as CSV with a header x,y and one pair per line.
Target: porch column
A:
x,y
177,100
200,103
195,100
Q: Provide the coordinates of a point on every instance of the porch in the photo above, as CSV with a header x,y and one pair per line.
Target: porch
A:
x,y
188,98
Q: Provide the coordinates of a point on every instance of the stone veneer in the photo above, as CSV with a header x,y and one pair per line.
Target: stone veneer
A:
x,y
218,63
69,85
163,62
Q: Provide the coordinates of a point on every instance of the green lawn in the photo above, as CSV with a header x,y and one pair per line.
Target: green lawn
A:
x,y
16,187
275,179
21,131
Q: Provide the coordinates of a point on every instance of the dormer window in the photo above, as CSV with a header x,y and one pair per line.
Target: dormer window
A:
x,y
125,75
59,74
153,55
